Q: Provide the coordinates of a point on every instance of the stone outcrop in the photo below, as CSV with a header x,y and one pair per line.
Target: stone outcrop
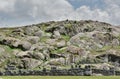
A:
x,y
60,44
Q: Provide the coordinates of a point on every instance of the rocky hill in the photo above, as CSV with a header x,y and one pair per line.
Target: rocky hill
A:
x,y
60,44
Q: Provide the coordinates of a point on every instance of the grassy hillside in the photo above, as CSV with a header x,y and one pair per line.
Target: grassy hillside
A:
x,y
60,77
60,44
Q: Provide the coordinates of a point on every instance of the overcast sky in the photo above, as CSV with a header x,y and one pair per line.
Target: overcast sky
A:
x,y
23,12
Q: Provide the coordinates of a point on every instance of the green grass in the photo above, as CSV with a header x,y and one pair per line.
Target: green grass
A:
x,y
84,38
9,55
43,39
66,37
6,31
60,77
68,26
104,49
58,51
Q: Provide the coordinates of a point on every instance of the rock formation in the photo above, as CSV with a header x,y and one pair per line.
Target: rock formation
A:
x,y
60,44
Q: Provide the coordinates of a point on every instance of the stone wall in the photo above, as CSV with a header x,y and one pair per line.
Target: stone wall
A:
x,y
77,71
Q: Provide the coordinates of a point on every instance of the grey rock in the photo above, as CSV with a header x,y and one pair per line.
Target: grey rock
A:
x,y
2,50
21,54
29,31
105,66
51,41
30,63
58,61
37,55
26,45
61,43
39,33
33,39
56,34
115,42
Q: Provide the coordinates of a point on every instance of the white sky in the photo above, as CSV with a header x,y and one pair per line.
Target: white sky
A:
x,y
22,12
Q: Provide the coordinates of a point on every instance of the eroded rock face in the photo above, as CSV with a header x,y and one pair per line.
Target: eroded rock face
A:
x,y
59,44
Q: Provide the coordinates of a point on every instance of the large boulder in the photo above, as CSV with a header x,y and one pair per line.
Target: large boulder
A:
x,y
40,47
25,45
93,40
39,33
7,40
30,63
16,43
60,44
77,51
81,40
18,32
56,34
29,54
21,54
37,55
10,41
29,31
33,39
51,41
